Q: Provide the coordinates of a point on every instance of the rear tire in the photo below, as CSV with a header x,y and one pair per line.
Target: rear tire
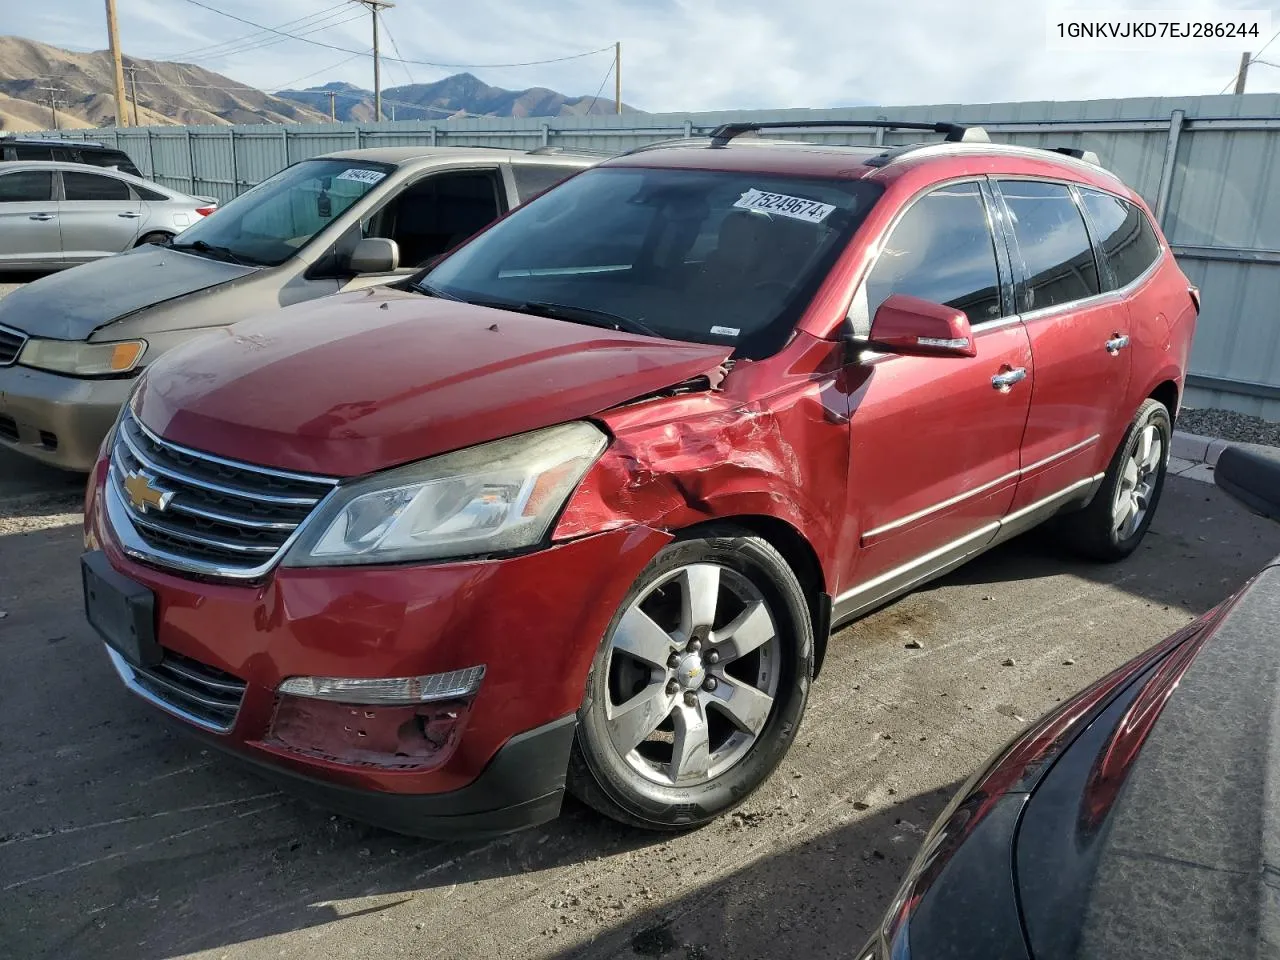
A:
x,y
1114,523
694,700
159,238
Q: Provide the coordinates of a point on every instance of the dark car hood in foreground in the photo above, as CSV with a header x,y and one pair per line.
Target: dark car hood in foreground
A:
x,y
1157,834
71,304
358,382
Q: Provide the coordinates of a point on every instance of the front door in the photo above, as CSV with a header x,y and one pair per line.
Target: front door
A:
x,y
935,440
1079,340
100,215
29,219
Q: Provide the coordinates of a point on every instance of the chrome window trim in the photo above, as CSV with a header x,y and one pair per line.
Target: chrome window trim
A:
x,y
960,498
22,336
129,677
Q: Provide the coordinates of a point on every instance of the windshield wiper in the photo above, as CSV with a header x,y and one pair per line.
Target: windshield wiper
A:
x,y
427,290
225,253
587,315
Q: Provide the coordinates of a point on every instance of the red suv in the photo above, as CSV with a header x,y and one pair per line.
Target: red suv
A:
x,y
579,507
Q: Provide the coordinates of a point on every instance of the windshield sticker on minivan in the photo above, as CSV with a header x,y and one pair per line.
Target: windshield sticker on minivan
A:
x,y
797,208
361,176
725,331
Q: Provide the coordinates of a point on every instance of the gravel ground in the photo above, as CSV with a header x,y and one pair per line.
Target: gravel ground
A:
x,y
1236,427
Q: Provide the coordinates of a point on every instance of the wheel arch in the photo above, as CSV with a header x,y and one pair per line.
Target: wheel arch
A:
x,y
1169,394
800,556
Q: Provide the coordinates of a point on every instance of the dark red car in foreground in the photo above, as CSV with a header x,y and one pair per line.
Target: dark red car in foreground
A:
x,y
1136,821
583,504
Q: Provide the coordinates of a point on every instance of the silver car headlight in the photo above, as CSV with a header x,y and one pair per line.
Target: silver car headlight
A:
x,y
489,498
82,359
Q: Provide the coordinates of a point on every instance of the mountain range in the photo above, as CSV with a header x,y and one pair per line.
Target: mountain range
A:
x,y
182,93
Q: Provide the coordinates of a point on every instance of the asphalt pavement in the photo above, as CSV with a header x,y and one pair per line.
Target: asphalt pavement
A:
x,y
121,838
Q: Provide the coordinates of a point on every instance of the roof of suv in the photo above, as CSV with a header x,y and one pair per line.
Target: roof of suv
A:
x,y
853,162
402,155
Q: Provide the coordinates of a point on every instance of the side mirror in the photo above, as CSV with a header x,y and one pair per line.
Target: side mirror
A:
x,y
374,255
1251,474
916,327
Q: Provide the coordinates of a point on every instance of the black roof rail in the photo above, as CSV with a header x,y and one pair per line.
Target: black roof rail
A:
x,y
955,132
1088,156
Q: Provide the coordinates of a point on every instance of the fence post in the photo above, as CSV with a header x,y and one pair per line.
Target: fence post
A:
x,y
433,136
1177,120
688,129
235,166
151,156
546,134
191,159
284,142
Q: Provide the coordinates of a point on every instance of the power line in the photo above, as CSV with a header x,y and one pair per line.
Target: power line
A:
x,y
1248,60
328,12
396,47
422,63
333,66
601,88
268,40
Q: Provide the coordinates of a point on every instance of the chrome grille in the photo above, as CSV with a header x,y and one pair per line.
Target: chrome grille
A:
x,y
216,517
193,690
11,343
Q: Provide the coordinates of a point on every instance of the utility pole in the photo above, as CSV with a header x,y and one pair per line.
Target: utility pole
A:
x,y
617,76
53,92
1245,59
113,37
374,6
333,111
133,90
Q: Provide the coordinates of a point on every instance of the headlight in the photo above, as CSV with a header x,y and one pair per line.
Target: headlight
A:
x,y
83,359
489,498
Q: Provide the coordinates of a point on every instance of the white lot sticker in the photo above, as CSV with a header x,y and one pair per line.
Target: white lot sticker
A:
x,y
797,208
361,176
725,331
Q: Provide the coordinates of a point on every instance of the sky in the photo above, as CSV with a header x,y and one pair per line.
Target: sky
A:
x,y
677,55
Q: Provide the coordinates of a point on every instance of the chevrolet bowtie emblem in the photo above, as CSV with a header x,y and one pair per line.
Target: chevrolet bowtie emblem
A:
x,y
143,494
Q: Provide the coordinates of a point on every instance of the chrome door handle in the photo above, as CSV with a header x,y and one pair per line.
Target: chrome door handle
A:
x,y
1003,381
1116,344
41,216
130,216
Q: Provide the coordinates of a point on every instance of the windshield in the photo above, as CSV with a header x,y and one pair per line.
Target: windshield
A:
x,y
270,223
707,256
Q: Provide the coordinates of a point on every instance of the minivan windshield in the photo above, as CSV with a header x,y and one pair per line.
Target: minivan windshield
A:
x,y
708,256
270,223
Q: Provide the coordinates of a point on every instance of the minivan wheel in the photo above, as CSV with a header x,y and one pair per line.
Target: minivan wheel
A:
x,y
699,685
1118,517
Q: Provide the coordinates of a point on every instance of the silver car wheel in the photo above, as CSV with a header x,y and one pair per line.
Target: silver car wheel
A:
x,y
693,672
1137,483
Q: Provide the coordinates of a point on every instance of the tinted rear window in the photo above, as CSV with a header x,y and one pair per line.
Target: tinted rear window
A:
x,y
91,186
26,185
1053,243
1124,236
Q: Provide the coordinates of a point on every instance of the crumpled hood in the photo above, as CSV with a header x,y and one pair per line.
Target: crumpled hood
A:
x,y
71,304
362,381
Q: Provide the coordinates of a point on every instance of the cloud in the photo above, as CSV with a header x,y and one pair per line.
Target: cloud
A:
x,y
684,54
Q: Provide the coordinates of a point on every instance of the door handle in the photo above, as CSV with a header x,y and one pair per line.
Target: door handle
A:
x,y
41,216
1004,381
129,216
1117,343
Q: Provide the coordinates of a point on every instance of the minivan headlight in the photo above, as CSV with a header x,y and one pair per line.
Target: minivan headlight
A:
x,y
82,359
489,498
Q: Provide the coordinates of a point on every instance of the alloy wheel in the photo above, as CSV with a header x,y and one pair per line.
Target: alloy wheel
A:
x,y
1137,483
693,670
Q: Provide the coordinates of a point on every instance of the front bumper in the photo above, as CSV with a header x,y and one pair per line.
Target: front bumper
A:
x,y
55,419
534,621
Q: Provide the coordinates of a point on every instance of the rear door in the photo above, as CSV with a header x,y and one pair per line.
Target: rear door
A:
x,y
100,215
1078,341
934,453
29,218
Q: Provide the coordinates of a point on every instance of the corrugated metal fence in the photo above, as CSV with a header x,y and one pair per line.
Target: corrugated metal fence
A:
x,y
1207,165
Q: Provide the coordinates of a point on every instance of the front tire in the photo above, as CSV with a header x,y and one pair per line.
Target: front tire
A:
x,y
1117,519
699,685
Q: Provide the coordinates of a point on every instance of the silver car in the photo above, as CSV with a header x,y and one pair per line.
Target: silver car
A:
x,y
73,343
56,215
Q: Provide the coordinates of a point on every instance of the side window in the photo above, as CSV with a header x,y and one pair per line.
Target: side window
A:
x,y
90,186
32,151
437,213
1053,242
146,194
535,178
942,251
26,186
66,155
1125,236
